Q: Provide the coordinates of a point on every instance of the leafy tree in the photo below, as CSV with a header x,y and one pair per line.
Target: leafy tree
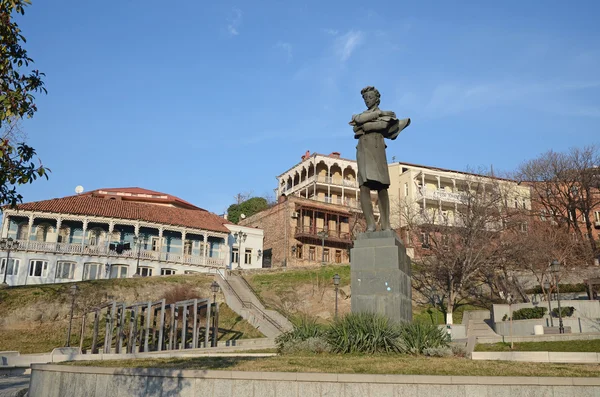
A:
x,y
248,208
17,86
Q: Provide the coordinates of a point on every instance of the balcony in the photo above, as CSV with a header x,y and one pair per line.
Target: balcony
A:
x,y
313,232
452,197
327,180
97,250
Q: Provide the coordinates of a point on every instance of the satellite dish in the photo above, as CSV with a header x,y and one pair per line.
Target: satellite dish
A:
x,y
79,189
243,216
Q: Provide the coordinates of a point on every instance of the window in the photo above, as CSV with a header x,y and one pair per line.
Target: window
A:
x,y
92,271
326,255
248,256
145,271
406,190
155,243
235,256
187,247
311,253
38,268
63,235
118,271
338,256
425,240
65,270
41,231
13,266
166,272
597,216
23,231
299,251
94,236
190,272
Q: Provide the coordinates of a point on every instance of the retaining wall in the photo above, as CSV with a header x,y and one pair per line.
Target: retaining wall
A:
x,y
58,380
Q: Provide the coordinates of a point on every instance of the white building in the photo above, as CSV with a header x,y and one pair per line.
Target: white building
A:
x,y
114,233
246,247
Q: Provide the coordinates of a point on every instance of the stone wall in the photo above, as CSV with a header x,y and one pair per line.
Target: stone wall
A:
x,y
56,380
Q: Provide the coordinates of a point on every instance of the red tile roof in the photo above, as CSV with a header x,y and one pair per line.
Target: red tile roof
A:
x,y
120,209
142,195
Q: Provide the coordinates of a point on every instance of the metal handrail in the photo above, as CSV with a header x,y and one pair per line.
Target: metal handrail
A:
x,y
251,305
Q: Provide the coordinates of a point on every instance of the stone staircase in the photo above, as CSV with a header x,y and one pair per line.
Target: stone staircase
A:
x,y
477,325
242,300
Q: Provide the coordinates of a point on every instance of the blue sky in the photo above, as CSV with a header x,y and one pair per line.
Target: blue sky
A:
x,y
207,99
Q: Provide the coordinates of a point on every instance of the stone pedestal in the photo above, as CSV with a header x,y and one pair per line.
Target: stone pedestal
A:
x,y
381,276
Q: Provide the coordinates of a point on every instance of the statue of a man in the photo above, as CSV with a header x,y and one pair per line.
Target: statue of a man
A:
x,y
370,127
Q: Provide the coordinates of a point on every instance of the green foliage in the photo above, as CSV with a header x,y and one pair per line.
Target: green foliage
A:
x,y
528,313
564,311
563,288
248,208
304,329
364,333
311,345
414,338
17,87
438,352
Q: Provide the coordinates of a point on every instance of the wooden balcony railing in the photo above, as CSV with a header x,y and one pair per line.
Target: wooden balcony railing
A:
x,y
314,232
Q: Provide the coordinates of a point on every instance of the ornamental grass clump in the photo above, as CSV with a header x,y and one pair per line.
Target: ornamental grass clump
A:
x,y
307,335
364,333
414,338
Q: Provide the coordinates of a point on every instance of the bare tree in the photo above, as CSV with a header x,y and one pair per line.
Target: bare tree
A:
x,y
566,187
456,248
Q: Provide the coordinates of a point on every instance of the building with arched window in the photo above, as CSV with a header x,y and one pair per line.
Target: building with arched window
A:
x,y
114,233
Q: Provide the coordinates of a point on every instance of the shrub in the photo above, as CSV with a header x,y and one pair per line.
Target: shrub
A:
x,y
438,352
364,333
528,313
180,293
416,337
310,345
459,350
566,288
564,311
306,328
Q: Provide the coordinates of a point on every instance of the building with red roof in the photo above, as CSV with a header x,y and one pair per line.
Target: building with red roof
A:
x,y
115,233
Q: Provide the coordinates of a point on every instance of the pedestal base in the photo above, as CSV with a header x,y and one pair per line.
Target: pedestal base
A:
x,y
381,276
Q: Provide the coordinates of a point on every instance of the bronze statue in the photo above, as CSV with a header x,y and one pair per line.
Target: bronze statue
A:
x,y
370,127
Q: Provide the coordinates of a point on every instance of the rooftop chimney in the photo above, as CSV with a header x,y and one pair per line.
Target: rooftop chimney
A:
x,y
335,155
306,155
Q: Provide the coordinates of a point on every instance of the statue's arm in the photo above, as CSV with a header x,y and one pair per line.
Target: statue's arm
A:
x,y
365,117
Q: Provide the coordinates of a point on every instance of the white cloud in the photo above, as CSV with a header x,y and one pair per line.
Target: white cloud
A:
x,y
234,22
346,44
286,47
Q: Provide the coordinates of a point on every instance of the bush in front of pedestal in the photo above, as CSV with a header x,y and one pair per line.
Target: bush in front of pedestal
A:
x,y
306,336
528,313
415,338
364,333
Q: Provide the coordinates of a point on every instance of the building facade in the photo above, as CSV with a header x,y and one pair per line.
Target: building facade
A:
x,y
113,233
245,245
303,232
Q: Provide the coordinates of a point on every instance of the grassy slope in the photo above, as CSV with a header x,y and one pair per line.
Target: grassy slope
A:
x,y
282,284
35,318
364,364
559,346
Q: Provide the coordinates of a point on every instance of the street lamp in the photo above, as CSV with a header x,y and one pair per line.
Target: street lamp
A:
x,y
323,234
138,241
7,244
240,237
336,283
555,269
547,288
73,289
214,287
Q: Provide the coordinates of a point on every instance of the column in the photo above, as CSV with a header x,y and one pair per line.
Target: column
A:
x,y
83,232
58,224
137,229
30,227
423,190
160,242
5,226
453,185
183,253
205,250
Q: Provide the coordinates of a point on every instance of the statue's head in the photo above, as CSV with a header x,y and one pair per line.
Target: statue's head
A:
x,y
371,96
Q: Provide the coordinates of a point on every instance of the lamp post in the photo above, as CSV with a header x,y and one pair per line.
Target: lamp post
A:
x,y
73,289
555,269
7,244
323,234
547,288
138,241
214,287
336,283
240,237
